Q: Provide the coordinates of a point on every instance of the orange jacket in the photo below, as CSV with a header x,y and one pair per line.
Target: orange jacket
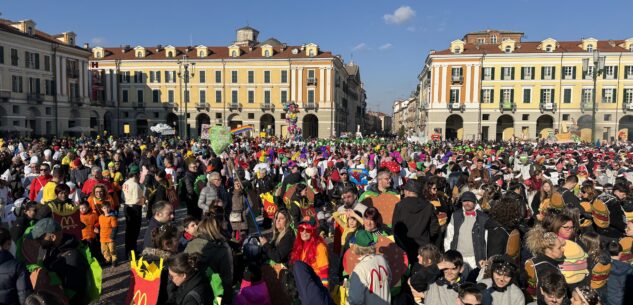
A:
x,y
90,220
94,202
107,224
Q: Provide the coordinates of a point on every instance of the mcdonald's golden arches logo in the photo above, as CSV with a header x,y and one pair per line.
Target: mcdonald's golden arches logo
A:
x,y
140,298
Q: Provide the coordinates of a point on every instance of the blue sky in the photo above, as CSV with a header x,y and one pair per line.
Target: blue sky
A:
x,y
389,39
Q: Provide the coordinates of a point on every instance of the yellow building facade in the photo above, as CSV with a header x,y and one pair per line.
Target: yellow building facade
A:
x,y
245,83
491,85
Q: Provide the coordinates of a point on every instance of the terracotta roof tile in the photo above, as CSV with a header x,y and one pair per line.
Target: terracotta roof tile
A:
x,y
6,25
214,53
532,47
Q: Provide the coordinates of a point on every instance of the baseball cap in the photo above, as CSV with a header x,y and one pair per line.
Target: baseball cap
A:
x,y
44,226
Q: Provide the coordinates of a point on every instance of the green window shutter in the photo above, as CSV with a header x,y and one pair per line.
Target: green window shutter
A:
x,y
553,96
626,72
492,95
481,96
604,75
483,73
542,95
542,73
522,73
533,69
573,74
602,97
553,74
615,95
492,75
584,74
615,72
512,94
512,71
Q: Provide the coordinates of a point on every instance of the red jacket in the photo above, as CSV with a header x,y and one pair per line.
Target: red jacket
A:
x,y
90,184
37,184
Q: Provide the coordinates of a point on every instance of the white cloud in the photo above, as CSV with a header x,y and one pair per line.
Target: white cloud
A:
x,y
385,46
400,15
359,47
98,41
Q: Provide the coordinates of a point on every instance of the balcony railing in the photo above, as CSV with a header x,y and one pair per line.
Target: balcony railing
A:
x,y
507,106
547,107
586,106
457,79
311,81
456,106
35,97
627,106
5,94
268,106
235,106
202,106
310,105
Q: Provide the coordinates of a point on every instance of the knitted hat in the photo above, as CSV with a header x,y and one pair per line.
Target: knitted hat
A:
x,y
364,238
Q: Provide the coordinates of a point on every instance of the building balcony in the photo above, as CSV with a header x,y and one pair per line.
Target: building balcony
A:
x,y
35,98
5,94
544,107
586,106
627,106
507,106
310,105
138,105
268,106
235,106
456,107
457,79
311,81
202,106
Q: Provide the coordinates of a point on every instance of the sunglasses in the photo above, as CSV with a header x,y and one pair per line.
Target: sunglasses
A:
x,y
43,169
305,229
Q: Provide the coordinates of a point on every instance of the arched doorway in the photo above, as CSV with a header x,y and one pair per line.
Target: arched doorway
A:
x,y
505,128
454,127
202,118
310,126
583,127
107,122
544,126
172,120
33,121
94,123
234,121
142,126
625,129
267,124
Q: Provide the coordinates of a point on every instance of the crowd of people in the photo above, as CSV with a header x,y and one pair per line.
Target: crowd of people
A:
x,y
343,221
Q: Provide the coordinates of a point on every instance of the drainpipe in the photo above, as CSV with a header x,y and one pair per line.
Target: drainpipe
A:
x,y
54,47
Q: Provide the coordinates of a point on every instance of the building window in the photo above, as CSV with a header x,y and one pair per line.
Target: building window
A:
x,y
284,96
628,96
546,95
456,73
170,96
454,98
233,53
2,55
234,97
610,72
16,109
251,77
310,96
17,84
527,95
218,115
493,39
487,96
283,115
489,73
507,73
485,117
47,63
589,73
547,72
311,76
218,77
186,96
234,77
139,96
525,117
138,77
548,48
607,117
628,72
569,72
267,97
125,97
168,77
251,97
251,116
565,117
527,73
587,96
267,77
608,96
154,76
284,77
14,57
203,96
567,95
311,53
218,96
590,48
481,40
155,96
203,76
507,96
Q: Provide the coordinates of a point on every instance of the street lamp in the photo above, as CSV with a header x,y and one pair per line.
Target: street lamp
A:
x,y
184,74
598,68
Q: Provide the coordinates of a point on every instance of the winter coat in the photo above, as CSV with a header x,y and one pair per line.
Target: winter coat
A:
x,y
370,281
107,228
195,291
414,223
497,241
280,253
15,284
214,254
512,295
79,175
423,276
37,184
148,241
309,287
478,237
620,283
207,195
67,261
